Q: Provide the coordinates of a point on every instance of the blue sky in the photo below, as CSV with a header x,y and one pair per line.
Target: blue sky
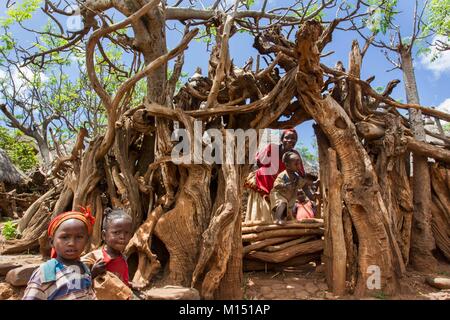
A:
x,y
432,78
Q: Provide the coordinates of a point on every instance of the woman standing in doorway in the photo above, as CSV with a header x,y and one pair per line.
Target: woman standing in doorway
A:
x,y
260,182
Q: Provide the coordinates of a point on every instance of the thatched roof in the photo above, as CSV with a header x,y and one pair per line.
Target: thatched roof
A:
x,y
8,172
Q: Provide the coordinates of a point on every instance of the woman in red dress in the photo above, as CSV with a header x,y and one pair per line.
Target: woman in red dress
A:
x,y
260,182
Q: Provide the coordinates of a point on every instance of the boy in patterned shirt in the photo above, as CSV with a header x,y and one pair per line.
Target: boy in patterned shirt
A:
x,y
284,192
64,277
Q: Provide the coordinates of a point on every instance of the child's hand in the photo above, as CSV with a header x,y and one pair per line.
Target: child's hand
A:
x,y
98,268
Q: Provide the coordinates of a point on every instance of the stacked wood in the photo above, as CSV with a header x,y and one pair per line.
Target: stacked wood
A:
x,y
275,247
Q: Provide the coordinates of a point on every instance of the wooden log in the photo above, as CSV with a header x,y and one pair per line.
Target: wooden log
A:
x,y
288,223
369,130
257,265
351,248
440,282
323,145
281,233
288,253
253,229
428,150
339,257
264,243
288,244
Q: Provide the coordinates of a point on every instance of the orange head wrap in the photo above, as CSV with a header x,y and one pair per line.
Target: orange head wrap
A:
x,y
83,215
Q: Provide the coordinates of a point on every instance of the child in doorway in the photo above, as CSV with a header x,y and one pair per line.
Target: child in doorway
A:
x,y
116,233
284,192
303,208
64,277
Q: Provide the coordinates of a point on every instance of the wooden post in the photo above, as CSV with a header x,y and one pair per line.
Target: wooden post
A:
x,y
323,145
339,257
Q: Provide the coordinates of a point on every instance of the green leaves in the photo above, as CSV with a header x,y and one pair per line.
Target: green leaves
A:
x,y
381,15
249,3
446,127
9,230
306,153
21,153
438,13
379,89
20,12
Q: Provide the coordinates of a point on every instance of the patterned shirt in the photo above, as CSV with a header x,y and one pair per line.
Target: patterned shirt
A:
x,y
56,281
287,186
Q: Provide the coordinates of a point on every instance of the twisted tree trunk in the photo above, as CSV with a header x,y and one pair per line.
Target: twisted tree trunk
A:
x,y
377,249
422,242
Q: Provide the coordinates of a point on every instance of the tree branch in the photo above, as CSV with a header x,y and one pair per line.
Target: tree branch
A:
x,y
389,101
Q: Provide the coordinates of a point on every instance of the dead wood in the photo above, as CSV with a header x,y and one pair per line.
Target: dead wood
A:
x,y
280,233
257,265
296,225
288,253
287,225
273,248
264,243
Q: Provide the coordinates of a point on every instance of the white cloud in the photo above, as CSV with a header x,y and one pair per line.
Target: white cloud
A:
x,y
441,65
21,79
444,106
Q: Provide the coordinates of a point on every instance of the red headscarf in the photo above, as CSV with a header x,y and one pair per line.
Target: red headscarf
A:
x,y
83,215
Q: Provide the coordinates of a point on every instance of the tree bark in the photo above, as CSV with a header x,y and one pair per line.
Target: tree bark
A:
x,y
361,191
422,241
339,256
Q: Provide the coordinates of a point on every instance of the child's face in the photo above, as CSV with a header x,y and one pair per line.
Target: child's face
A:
x,y
70,239
289,140
301,197
118,233
293,164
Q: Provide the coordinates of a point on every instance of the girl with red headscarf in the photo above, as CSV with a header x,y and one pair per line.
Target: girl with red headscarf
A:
x,y
260,182
64,277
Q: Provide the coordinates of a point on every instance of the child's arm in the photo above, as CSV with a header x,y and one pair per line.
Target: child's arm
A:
x,y
308,193
94,263
282,182
98,268
35,290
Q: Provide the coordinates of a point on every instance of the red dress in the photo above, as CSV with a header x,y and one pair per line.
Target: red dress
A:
x,y
118,266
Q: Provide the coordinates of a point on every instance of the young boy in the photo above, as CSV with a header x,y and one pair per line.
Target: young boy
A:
x,y
64,277
284,192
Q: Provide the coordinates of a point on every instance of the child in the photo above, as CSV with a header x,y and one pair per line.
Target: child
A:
x,y
283,194
64,277
116,233
303,208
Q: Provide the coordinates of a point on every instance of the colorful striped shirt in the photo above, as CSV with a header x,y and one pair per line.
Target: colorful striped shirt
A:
x,y
56,281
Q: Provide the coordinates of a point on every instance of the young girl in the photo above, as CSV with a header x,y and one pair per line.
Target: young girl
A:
x,y
303,208
116,233
284,192
64,277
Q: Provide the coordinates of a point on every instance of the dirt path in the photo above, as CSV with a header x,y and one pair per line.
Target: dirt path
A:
x,y
308,284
